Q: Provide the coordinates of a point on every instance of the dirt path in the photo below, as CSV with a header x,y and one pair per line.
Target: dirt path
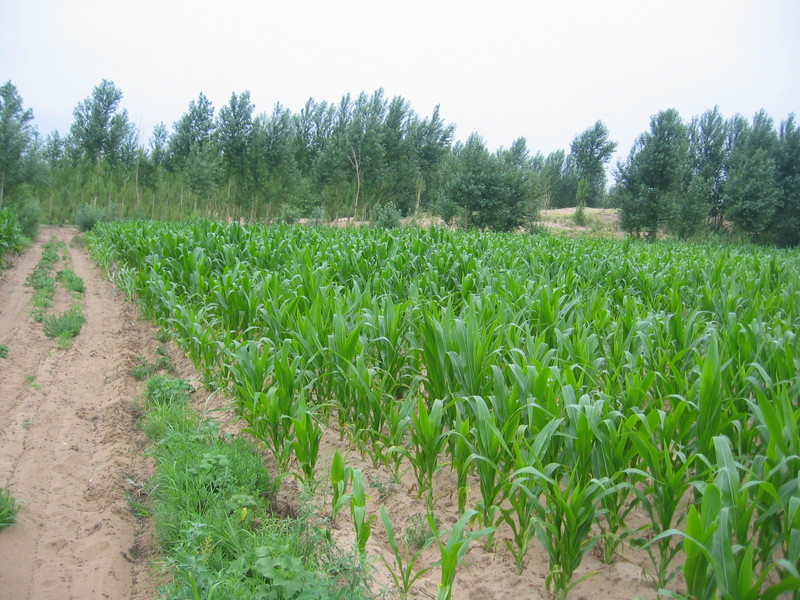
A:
x,y
68,443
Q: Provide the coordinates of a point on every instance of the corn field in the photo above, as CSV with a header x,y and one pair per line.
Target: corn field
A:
x,y
574,380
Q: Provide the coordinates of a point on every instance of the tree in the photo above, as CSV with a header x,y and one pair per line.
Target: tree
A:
x,y
17,136
101,133
752,192
709,154
235,137
654,175
590,152
491,191
787,213
192,132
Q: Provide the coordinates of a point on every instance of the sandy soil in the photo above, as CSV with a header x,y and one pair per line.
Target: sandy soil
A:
x,y
68,446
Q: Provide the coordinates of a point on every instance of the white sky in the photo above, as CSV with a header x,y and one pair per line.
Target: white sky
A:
x,y
545,70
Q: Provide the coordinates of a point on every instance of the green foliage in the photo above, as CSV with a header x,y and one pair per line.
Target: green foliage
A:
x,y
64,326
610,367
163,389
492,192
17,138
71,281
8,508
10,233
385,215
29,214
218,531
3,350
590,151
653,175
86,217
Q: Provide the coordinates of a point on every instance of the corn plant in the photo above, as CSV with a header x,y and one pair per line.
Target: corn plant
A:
x,y
427,439
522,510
453,551
358,511
492,456
563,522
340,477
306,439
404,561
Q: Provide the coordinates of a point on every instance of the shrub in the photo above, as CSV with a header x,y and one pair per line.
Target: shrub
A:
x,y
385,215
28,214
87,217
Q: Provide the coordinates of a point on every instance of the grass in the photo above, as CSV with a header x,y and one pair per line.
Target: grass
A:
x,y
3,350
8,508
212,503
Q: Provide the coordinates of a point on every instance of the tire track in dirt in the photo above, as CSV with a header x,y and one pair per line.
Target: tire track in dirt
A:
x,y
68,442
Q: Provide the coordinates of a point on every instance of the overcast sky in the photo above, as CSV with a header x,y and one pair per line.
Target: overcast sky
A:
x,y
503,68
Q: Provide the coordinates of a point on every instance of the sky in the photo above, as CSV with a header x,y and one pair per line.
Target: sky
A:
x,y
543,70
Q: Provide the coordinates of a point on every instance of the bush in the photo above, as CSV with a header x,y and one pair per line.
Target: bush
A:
x,y
288,214
87,217
385,215
28,214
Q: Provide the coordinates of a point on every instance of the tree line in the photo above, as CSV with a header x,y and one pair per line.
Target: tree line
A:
x,y
713,175
368,152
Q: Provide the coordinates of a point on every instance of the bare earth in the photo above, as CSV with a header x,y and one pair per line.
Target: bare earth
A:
x,y
68,445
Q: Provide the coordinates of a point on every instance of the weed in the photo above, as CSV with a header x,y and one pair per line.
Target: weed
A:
x,y
143,370
3,350
8,508
64,326
419,533
71,281
27,424
163,389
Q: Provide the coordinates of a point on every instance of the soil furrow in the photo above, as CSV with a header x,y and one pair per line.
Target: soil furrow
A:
x,y
67,442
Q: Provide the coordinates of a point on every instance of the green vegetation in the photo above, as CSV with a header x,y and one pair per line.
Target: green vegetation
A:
x,y
213,503
3,350
71,281
577,380
64,326
10,234
354,158
8,508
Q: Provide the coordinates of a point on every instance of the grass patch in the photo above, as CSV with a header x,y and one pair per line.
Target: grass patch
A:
x,y
8,508
143,370
64,326
212,500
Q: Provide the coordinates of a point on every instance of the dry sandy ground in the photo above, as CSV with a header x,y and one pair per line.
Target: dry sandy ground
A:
x,y
68,444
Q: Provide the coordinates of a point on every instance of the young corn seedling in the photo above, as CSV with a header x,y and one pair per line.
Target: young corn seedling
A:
x,y
427,440
461,450
454,550
306,439
358,510
340,477
492,458
404,561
